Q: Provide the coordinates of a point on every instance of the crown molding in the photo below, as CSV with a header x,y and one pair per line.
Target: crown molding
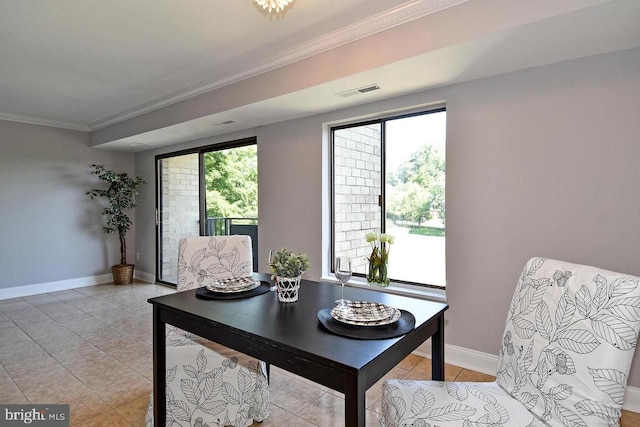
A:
x,y
399,15
43,122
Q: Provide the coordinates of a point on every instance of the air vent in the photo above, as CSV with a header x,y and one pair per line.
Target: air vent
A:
x,y
358,91
368,88
226,122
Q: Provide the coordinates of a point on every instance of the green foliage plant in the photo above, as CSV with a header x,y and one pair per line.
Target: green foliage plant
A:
x,y
285,263
120,195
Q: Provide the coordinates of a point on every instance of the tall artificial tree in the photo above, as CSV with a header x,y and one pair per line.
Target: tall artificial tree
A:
x,y
120,195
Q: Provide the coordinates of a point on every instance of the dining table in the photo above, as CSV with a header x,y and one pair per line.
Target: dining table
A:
x,y
292,337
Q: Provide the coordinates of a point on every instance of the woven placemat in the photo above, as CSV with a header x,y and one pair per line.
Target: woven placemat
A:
x,y
404,324
205,293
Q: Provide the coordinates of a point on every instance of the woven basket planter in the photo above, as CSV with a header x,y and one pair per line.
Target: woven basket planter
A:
x,y
122,274
288,288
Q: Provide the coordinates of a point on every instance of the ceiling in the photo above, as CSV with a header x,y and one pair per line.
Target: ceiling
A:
x,y
119,68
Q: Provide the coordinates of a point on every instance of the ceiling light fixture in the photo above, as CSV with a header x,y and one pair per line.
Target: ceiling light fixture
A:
x,y
277,5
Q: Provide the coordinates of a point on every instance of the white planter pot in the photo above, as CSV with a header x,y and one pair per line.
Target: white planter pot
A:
x,y
288,288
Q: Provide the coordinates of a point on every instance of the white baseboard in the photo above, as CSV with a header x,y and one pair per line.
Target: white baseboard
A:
x,y
63,285
144,276
632,399
487,364
60,285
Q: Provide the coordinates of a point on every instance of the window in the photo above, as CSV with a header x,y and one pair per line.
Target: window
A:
x,y
388,175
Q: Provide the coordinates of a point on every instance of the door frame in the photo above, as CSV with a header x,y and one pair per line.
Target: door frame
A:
x,y
201,151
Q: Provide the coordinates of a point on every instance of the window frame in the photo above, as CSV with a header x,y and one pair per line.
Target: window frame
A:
x,y
382,120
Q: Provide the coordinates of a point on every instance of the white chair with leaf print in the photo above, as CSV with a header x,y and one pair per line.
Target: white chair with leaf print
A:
x,y
207,383
567,348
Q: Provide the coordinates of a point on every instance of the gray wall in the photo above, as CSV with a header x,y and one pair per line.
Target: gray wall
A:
x,y
542,162
539,163
49,229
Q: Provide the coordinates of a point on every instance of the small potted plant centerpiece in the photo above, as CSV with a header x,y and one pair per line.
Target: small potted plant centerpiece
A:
x,y
286,270
120,196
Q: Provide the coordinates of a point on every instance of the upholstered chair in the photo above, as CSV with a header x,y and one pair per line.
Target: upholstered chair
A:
x,y
566,351
207,383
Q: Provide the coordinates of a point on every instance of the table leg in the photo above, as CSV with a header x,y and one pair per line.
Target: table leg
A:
x,y
159,371
437,351
354,402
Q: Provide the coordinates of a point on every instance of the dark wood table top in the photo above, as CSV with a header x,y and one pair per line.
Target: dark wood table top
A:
x,y
294,327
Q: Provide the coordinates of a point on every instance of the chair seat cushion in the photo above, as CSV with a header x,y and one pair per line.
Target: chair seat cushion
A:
x,y
448,404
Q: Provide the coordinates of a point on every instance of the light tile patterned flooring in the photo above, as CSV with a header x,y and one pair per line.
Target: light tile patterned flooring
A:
x,y
91,347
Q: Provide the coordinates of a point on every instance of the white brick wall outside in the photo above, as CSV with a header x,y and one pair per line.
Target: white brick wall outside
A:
x,y
357,186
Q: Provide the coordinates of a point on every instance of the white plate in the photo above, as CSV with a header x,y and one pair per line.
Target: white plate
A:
x,y
233,285
365,313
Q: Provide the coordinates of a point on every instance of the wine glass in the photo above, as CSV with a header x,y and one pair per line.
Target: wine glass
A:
x,y
274,288
343,274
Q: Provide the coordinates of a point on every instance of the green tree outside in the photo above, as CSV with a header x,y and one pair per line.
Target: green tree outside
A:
x,y
231,182
417,192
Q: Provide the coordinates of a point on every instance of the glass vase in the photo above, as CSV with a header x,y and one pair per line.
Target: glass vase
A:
x,y
378,272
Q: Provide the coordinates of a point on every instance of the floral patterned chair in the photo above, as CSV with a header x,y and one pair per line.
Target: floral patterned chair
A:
x,y
207,383
569,339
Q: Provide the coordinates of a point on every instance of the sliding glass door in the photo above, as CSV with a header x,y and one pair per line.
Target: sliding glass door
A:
x,y
231,197
207,191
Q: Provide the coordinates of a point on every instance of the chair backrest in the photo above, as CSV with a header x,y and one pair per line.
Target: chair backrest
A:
x,y
204,259
569,340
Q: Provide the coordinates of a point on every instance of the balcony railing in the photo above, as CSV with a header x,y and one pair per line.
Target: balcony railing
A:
x,y
224,226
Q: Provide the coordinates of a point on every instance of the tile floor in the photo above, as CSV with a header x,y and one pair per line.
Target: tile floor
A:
x,y
91,347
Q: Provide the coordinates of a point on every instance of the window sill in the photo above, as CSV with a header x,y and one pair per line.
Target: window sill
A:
x,y
431,294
